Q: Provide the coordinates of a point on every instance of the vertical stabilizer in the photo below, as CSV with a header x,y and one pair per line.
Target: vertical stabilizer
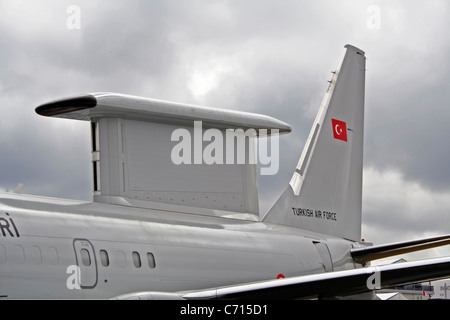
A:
x,y
324,194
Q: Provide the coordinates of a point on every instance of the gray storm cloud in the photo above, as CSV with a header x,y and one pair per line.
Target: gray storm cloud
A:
x,y
270,57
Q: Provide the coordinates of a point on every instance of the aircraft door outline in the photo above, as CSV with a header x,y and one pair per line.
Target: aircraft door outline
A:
x,y
87,263
325,255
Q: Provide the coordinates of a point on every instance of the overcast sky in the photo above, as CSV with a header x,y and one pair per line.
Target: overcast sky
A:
x,y
270,57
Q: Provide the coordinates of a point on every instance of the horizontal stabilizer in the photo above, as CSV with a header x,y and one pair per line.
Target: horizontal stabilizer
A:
x,y
363,255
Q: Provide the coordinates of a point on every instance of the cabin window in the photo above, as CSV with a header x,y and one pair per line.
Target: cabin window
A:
x,y
36,254
52,256
104,258
85,257
151,260
136,259
19,253
120,258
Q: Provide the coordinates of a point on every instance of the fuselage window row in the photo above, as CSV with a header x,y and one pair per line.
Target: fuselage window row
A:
x,y
38,256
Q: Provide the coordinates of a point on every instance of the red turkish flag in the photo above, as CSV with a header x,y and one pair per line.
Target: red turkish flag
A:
x,y
339,129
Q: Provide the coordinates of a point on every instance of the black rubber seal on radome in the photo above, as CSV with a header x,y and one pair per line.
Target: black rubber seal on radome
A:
x,y
67,105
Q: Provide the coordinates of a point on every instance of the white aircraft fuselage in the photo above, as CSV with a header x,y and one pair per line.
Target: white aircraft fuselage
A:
x,y
132,249
160,230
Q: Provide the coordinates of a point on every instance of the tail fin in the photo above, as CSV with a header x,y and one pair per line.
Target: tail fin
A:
x,y
324,194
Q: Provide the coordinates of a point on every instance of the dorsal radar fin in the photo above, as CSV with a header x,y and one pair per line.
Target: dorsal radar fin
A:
x,y
134,141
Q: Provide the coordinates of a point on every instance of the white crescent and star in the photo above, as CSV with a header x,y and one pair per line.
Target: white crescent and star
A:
x,y
338,129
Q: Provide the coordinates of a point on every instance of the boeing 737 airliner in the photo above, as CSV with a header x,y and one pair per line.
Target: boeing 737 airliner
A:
x,y
192,230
